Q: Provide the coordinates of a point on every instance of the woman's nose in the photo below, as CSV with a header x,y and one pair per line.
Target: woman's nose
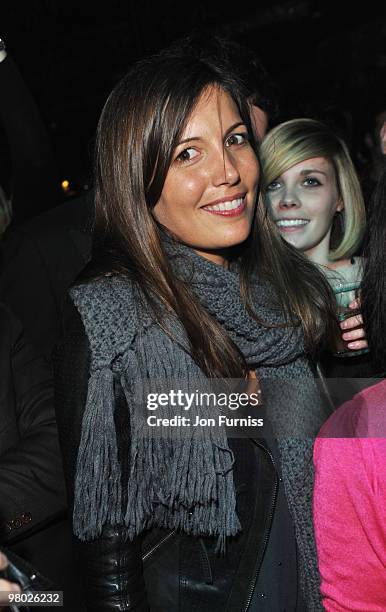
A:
x,y
225,170
289,200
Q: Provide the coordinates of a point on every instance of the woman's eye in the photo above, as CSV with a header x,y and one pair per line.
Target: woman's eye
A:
x,y
236,139
187,155
311,182
273,186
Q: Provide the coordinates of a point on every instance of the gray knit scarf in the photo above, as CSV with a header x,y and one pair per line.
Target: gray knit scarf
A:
x,y
184,481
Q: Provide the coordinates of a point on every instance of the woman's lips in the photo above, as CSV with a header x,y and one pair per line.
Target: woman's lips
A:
x,y
291,225
230,208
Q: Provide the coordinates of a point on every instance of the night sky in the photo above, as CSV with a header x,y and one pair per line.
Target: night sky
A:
x,y
328,59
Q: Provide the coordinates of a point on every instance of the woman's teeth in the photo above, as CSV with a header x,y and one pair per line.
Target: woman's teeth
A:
x,y
222,206
291,222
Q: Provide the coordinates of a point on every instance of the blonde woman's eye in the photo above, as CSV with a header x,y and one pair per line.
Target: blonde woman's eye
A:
x,y
236,139
311,182
273,186
187,155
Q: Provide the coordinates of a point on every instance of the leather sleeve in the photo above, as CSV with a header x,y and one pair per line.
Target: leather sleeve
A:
x,y
111,566
112,572
32,490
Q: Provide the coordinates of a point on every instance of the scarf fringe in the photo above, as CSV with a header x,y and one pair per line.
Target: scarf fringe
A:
x,y
98,494
180,478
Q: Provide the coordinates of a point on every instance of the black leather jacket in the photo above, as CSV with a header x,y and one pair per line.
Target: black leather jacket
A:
x,y
163,571
33,505
32,492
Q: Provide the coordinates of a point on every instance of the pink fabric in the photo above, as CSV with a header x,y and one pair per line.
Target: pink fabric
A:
x,y
350,504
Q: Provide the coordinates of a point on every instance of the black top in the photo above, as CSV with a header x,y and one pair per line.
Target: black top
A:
x,y
277,587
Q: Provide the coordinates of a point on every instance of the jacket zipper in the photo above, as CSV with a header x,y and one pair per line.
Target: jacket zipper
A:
x,y
156,546
272,509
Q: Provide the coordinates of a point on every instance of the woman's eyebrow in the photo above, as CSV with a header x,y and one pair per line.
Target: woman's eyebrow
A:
x,y
189,139
234,126
308,170
230,129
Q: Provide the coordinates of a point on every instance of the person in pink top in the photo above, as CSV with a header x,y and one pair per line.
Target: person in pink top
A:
x,y
350,503
350,461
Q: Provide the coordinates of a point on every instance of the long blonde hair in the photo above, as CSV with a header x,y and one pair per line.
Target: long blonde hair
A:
x,y
296,140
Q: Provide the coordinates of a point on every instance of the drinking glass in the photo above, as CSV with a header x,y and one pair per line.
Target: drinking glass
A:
x,y
345,293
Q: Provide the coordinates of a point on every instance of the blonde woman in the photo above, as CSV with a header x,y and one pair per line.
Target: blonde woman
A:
x,y
315,200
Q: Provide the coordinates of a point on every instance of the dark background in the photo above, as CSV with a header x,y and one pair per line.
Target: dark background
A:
x,y
328,59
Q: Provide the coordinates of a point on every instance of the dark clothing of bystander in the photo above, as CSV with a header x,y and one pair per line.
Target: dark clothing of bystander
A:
x,y
39,261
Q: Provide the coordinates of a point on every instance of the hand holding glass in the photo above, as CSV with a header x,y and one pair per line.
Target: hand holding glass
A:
x,y
349,338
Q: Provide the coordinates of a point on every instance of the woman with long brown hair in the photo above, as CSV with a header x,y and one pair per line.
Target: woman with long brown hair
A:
x,y
189,281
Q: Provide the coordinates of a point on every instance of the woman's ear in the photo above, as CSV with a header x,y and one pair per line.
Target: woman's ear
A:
x,y
339,205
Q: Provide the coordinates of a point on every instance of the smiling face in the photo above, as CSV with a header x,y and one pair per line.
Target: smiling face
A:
x,y
303,202
208,198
